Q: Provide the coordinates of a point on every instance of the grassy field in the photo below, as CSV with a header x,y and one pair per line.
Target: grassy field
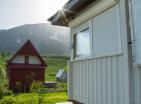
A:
x,y
54,65
34,98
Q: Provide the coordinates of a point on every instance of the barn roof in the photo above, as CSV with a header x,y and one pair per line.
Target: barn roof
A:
x,y
28,49
69,10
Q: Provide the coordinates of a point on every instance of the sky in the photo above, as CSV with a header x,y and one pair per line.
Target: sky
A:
x,y
19,12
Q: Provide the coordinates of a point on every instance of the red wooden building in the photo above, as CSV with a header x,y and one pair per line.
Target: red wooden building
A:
x,y
25,66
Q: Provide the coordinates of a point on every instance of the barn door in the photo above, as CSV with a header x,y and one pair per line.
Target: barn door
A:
x,y
136,18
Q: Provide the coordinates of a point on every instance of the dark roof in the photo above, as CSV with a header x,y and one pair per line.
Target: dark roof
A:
x,y
29,50
69,10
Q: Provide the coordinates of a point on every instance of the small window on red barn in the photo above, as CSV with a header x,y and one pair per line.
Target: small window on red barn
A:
x,y
19,59
34,60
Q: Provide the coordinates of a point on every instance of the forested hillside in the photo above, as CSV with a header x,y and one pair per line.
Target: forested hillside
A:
x,y
46,38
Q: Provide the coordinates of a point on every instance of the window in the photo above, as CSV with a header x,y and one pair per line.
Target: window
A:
x,y
34,60
82,43
81,40
19,59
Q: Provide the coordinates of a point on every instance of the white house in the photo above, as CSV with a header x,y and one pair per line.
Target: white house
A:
x,y
105,40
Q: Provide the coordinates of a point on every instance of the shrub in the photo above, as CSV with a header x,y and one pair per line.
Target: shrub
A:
x,y
7,100
40,99
18,88
62,86
36,86
52,74
3,78
4,91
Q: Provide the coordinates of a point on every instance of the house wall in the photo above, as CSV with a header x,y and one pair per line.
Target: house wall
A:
x,y
102,79
99,81
137,85
134,9
37,74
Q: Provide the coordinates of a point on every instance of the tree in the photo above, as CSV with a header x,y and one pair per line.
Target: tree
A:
x,y
2,70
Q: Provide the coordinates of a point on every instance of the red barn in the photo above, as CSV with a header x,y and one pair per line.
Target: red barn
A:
x,y
25,66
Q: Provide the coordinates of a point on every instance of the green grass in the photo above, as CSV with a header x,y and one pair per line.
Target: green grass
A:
x,y
33,98
54,65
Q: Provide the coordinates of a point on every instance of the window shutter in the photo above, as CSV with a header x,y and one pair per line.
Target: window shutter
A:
x,y
106,33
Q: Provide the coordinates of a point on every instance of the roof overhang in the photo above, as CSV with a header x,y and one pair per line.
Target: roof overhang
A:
x,y
68,12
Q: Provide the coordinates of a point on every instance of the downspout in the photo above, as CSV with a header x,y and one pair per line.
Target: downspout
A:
x,y
131,27
131,41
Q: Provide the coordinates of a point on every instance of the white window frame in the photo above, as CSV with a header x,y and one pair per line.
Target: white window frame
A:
x,y
76,30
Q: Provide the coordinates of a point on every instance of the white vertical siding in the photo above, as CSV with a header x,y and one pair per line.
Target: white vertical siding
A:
x,y
104,79
120,81
94,80
137,85
99,81
104,87
69,80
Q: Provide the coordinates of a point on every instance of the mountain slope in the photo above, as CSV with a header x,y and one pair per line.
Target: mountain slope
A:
x,y
45,37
